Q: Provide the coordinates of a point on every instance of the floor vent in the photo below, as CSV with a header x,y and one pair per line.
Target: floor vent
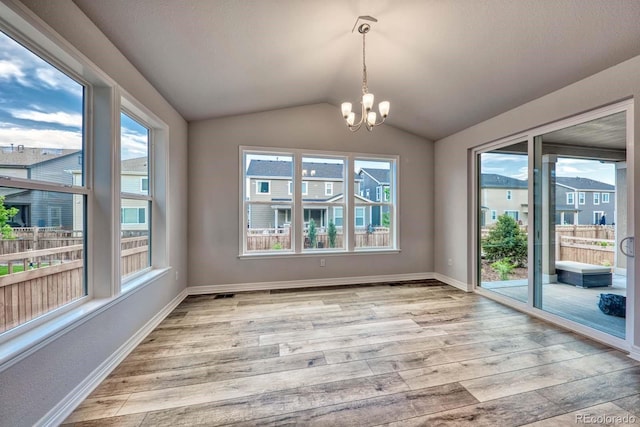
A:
x,y
219,296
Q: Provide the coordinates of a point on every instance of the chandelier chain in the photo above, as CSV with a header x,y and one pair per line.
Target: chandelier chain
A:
x,y
365,88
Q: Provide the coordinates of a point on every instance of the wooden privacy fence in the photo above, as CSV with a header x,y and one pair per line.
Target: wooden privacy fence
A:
x,y
586,250
54,277
265,240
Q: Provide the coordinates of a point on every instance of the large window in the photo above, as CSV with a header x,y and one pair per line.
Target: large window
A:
x,y
135,200
311,207
42,189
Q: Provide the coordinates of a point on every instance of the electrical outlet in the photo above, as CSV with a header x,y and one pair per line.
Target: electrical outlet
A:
x,y
322,263
450,261
176,274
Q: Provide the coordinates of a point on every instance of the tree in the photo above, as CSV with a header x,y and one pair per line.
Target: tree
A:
x,y
506,240
332,233
313,234
5,216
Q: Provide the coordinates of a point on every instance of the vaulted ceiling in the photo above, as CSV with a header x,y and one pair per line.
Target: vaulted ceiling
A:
x,y
443,65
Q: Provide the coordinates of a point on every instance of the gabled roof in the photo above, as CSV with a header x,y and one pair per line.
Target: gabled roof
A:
x,y
579,183
22,157
381,176
492,180
284,169
139,164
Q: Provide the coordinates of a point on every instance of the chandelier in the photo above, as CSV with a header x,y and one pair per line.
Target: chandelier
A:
x,y
368,118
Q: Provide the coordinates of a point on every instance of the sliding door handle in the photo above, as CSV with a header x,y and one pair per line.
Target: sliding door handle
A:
x,y
628,244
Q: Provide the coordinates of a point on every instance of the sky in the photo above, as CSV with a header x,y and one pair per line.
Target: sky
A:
x,y
42,107
515,166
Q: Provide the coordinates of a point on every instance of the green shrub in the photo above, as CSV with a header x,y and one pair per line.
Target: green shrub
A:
x,y
506,240
332,233
313,234
276,246
504,267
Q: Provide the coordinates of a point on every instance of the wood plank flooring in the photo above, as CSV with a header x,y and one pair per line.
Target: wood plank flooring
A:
x,y
415,354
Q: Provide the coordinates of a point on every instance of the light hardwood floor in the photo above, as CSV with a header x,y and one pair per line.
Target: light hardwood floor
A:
x,y
416,354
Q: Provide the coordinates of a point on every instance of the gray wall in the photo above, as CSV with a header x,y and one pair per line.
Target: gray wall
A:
x,y
30,388
452,214
214,195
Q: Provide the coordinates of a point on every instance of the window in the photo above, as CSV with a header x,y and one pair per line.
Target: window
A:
x,y
513,214
571,198
375,220
263,187
135,197
509,195
494,215
338,216
328,188
596,198
368,194
605,197
581,198
133,215
360,215
296,219
305,188
43,115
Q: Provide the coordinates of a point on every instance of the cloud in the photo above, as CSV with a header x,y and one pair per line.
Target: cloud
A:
x,y
10,70
59,117
133,144
50,138
58,80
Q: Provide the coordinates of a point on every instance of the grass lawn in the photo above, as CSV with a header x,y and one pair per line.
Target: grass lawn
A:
x,y
4,269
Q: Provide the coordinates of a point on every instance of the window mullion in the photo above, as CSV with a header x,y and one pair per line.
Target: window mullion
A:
x,y
348,220
297,215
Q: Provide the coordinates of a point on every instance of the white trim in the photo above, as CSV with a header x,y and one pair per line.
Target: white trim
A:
x,y
466,287
634,352
328,188
306,283
71,401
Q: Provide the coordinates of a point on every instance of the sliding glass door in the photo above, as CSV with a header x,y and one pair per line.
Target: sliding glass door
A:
x,y
581,215
552,209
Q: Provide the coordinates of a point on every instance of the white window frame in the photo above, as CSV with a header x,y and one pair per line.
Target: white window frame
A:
x,y
305,188
509,211
509,195
571,198
605,197
335,209
582,198
297,227
138,210
263,193
494,215
596,217
328,188
98,190
142,181
596,198
378,193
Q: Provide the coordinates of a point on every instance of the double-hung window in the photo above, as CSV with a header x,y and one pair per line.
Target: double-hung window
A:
x,y
135,199
43,190
571,198
596,198
313,202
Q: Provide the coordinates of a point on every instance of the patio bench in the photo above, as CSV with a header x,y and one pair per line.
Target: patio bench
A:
x,y
583,275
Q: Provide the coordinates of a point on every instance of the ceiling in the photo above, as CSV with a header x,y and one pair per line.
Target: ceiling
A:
x,y
443,65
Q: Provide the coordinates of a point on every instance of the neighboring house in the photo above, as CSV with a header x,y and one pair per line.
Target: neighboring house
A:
x,y
584,201
578,200
375,187
38,208
322,194
134,179
501,195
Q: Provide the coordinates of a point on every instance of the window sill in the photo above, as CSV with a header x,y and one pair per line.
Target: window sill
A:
x,y
320,254
21,346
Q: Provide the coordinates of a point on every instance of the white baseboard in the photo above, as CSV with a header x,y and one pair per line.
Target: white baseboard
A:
x,y
635,352
307,283
66,406
453,282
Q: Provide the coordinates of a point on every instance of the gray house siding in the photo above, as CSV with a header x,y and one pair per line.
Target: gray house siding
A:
x,y
48,209
586,211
